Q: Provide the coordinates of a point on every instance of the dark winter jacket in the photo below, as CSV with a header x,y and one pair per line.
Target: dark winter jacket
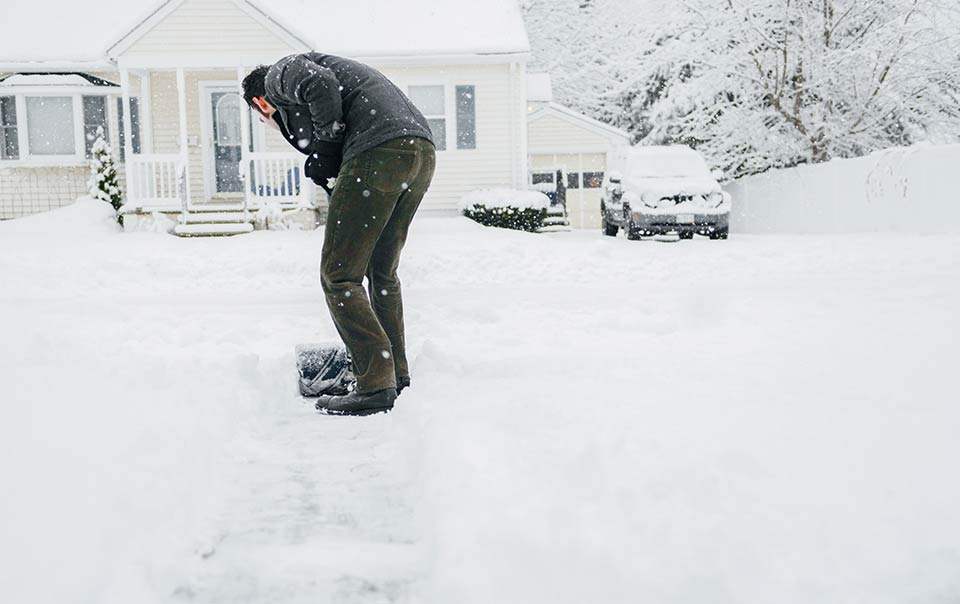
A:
x,y
324,100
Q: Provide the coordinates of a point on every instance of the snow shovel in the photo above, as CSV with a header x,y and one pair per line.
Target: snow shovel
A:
x,y
324,369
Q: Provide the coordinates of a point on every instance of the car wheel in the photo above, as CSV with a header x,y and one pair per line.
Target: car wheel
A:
x,y
686,234
720,233
610,230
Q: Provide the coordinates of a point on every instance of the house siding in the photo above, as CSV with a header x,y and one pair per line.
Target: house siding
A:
x,y
209,28
551,131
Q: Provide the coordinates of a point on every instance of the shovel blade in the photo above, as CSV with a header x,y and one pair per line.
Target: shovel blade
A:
x,y
323,369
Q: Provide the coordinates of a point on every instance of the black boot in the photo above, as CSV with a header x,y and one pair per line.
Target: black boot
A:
x,y
357,404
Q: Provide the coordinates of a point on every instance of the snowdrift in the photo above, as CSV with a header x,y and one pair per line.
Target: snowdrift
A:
x,y
84,217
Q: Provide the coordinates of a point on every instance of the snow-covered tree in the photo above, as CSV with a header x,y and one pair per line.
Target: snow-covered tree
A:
x,y
757,84
103,182
594,50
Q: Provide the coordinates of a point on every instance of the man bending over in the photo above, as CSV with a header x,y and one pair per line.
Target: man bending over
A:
x,y
355,126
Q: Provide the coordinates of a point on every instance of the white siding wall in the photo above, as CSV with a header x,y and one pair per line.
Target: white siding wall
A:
x,y
551,131
199,28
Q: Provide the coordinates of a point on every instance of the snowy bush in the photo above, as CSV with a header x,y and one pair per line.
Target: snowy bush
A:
x,y
103,183
506,208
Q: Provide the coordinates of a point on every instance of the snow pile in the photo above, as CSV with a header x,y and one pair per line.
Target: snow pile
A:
x,y
84,217
271,217
154,222
906,190
505,198
591,420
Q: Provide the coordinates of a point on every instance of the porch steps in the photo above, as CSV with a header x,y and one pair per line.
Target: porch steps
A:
x,y
207,217
213,229
556,220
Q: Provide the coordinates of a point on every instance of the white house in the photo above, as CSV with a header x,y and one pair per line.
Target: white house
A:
x,y
169,74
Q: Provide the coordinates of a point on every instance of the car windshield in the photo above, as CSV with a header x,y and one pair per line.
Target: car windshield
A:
x,y
666,163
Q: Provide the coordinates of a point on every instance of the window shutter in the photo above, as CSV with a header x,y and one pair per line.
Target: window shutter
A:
x,y
466,118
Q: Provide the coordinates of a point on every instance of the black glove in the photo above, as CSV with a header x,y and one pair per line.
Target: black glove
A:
x,y
323,163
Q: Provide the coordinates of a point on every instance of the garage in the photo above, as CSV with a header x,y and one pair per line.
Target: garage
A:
x,y
569,154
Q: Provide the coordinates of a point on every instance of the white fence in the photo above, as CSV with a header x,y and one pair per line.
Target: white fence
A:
x,y
277,177
909,190
155,179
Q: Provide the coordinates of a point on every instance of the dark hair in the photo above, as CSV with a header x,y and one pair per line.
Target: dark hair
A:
x,y
254,84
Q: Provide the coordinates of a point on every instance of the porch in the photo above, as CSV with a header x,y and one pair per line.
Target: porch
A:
x,y
202,157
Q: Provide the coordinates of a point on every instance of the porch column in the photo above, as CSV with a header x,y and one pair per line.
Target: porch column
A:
x,y
245,142
133,193
146,113
184,152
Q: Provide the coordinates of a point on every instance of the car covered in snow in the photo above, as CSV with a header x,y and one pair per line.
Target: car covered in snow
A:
x,y
664,190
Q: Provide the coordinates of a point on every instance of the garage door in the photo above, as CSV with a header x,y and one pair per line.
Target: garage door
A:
x,y
582,177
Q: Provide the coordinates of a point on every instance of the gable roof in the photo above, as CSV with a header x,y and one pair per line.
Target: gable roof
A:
x,y
577,119
78,35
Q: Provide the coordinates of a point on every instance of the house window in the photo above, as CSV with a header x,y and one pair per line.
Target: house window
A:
x,y
541,177
592,180
431,101
94,116
466,118
135,124
573,180
9,141
50,125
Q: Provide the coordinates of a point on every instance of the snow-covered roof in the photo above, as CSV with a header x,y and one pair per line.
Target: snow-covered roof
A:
x,y
539,88
77,34
374,28
66,32
52,79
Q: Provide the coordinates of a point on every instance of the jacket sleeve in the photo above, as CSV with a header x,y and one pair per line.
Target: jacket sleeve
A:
x,y
300,81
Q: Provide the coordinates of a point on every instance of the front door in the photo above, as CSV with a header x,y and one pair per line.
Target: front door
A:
x,y
223,144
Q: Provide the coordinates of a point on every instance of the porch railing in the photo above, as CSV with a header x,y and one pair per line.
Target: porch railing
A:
x,y
276,177
155,179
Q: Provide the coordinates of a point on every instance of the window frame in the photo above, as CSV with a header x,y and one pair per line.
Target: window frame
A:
x,y
435,116
583,179
78,158
88,152
450,110
120,151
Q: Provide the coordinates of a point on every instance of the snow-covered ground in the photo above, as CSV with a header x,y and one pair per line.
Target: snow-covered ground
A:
x,y
766,419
